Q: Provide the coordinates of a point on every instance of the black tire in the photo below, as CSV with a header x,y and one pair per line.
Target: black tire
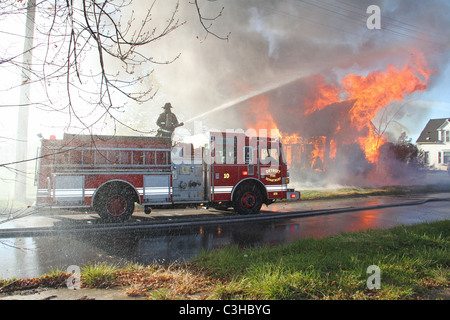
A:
x,y
248,199
115,204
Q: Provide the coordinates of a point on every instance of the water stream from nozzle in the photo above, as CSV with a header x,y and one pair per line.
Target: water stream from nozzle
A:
x,y
247,97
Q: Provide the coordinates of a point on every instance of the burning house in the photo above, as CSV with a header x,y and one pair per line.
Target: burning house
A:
x,y
327,129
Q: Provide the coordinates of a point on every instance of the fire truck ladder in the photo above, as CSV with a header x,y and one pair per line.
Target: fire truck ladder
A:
x,y
100,159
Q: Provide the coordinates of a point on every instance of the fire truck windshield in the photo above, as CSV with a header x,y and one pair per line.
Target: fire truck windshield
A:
x,y
269,155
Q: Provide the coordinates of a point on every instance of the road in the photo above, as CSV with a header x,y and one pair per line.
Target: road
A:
x,y
149,238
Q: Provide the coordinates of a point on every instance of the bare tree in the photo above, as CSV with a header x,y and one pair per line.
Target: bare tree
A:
x,y
96,53
100,49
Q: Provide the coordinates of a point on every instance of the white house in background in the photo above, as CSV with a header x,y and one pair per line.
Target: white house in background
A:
x,y
434,141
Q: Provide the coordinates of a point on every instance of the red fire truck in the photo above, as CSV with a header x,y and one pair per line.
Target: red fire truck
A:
x,y
112,173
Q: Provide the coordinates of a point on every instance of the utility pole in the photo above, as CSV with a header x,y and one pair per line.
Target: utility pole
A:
x,y
20,192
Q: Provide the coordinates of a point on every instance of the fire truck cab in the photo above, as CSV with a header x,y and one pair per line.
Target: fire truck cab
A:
x,y
111,173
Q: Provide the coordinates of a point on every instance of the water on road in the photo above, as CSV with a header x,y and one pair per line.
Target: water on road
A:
x,y
26,257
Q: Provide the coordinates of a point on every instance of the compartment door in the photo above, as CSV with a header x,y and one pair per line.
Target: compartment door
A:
x,y
157,188
68,189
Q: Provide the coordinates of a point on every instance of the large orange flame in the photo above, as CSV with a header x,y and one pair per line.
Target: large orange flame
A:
x,y
375,92
325,95
369,95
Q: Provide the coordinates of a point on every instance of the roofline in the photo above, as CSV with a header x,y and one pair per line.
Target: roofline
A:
x,y
444,124
431,142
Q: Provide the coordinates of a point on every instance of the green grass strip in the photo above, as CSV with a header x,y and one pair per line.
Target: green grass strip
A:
x,y
412,259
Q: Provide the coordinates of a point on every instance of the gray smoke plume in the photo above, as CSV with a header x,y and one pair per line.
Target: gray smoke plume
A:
x,y
306,42
272,41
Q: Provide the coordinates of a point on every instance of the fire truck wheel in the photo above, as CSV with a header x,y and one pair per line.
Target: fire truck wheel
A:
x,y
115,205
248,199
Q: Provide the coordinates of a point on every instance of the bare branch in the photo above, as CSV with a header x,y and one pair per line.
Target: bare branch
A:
x,y
98,50
207,28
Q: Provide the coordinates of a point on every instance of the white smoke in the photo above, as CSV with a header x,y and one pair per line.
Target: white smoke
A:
x,y
271,42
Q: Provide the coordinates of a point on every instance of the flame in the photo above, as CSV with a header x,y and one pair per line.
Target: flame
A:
x,y
318,153
368,94
333,149
371,144
258,113
375,92
325,95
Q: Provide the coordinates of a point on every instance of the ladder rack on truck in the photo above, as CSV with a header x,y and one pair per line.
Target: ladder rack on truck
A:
x,y
112,173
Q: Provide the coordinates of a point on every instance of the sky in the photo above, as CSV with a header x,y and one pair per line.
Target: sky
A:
x,y
269,45
274,42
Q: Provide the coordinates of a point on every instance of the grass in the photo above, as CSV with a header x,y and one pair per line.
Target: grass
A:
x,y
153,281
412,260
98,275
341,193
348,192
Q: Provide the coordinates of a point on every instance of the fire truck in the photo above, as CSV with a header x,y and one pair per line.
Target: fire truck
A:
x,y
110,174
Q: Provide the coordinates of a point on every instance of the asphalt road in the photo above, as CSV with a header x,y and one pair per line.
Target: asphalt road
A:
x,y
35,254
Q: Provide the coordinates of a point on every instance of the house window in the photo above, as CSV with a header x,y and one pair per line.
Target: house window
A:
x,y
439,157
444,136
446,157
427,157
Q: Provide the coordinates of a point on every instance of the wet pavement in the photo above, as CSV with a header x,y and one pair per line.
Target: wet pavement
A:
x,y
26,257
114,293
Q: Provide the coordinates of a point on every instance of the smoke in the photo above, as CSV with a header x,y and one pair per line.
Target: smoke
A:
x,y
283,52
273,41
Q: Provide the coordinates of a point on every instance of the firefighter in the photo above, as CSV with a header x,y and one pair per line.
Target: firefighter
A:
x,y
167,122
